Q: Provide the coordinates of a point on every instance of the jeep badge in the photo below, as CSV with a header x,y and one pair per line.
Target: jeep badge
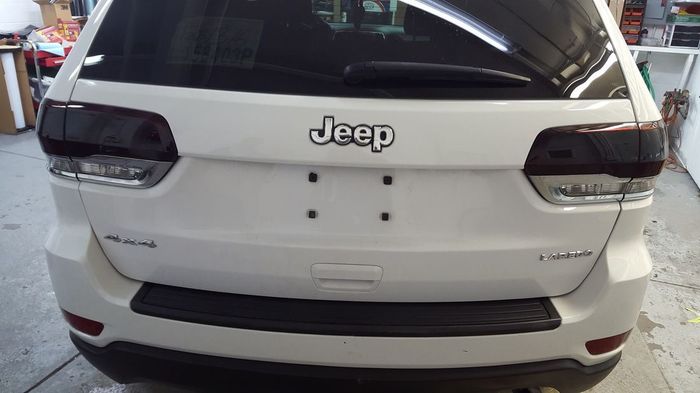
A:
x,y
379,136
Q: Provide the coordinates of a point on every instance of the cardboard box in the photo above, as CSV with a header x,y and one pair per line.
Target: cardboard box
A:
x,y
69,30
617,8
46,34
51,13
7,121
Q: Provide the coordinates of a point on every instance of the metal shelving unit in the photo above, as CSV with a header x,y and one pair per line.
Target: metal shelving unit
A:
x,y
682,35
631,23
682,31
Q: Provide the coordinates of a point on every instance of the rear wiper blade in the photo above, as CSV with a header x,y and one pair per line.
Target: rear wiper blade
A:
x,y
398,72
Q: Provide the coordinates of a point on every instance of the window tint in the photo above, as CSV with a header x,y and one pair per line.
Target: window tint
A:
x,y
304,46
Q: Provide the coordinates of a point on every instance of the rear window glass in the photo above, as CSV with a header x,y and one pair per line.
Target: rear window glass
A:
x,y
305,47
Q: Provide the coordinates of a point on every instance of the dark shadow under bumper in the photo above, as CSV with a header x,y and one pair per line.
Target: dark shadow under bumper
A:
x,y
128,363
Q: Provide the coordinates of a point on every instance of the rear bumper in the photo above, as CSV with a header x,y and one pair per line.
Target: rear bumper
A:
x,y
335,318
127,363
607,303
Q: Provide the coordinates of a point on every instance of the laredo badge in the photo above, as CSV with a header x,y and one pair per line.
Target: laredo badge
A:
x,y
565,255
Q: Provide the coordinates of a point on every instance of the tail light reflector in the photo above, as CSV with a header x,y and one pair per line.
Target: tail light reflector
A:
x,y
84,325
607,344
597,163
105,144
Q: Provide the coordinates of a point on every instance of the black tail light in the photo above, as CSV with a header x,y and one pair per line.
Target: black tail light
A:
x,y
597,163
106,144
50,127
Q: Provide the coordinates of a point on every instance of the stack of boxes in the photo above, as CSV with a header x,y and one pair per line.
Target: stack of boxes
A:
x,y
53,11
16,107
16,104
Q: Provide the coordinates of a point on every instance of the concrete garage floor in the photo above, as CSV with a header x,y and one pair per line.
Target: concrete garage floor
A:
x,y
662,355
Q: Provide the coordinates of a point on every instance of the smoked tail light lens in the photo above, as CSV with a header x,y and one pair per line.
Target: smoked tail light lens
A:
x,y
104,144
597,163
607,344
50,127
84,325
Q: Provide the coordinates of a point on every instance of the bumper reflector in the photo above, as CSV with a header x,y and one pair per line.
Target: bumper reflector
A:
x,y
84,325
608,344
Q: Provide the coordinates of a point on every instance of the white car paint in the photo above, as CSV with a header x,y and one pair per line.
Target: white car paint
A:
x,y
250,233
238,199
606,303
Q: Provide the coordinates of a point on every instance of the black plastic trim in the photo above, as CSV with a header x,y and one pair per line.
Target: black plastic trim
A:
x,y
129,363
375,319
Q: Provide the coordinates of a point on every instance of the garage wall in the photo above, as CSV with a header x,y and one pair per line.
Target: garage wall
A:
x,y
689,150
665,72
16,14
665,75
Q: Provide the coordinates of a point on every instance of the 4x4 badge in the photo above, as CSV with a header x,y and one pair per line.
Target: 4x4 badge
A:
x,y
379,136
133,242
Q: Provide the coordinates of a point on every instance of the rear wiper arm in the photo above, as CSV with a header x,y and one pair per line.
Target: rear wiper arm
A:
x,y
398,72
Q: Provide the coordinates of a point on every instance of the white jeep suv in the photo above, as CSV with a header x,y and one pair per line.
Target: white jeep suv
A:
x,y
426,195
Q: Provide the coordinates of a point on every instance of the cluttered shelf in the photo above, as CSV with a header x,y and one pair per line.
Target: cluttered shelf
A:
x,y
631,21
48,58
659,23
31,58
683,25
